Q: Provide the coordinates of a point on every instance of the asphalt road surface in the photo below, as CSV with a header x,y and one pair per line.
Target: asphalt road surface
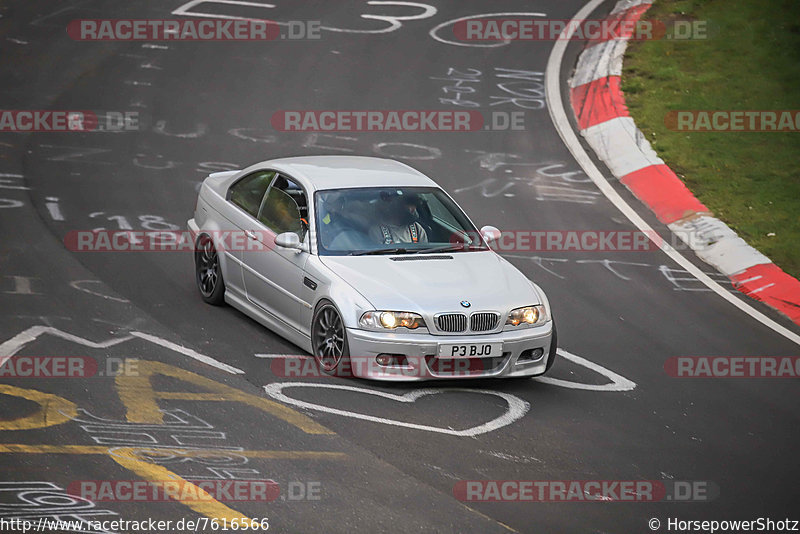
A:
x,y
207,106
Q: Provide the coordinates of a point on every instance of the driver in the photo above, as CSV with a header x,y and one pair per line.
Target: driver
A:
x,y
400,222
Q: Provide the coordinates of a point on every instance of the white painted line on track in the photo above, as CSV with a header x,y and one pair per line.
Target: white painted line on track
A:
x,y
208,360
282,356
11,346
618,382
54,209
435,31
558,114
78,284
517,407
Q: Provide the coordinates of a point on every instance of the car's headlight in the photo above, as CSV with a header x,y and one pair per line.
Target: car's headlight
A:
x,y
389,320
528,316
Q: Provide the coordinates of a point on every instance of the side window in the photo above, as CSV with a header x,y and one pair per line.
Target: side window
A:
x,y
285,208
248,192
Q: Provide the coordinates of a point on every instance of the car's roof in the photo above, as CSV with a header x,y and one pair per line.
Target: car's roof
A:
x,y
335,172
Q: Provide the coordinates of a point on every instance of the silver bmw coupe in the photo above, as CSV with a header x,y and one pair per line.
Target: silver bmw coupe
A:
x,y
370,266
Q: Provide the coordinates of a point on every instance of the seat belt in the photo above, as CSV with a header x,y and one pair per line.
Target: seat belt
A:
x,y
412,228
387,235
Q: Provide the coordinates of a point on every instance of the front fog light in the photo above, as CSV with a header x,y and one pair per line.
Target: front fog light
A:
x,y
531,354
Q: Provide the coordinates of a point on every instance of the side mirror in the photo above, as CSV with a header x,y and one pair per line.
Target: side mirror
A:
x,y
490,233
288,240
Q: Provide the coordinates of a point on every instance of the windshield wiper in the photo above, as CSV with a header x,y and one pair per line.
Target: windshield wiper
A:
x,y
448,248
382,251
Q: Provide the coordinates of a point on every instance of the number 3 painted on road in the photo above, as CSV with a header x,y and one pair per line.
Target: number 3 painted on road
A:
x,y
434,33
395,23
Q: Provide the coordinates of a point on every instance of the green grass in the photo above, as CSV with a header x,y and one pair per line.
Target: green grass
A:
x,y
750,61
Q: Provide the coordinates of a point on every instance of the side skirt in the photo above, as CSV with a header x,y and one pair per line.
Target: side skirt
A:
x,y
270,321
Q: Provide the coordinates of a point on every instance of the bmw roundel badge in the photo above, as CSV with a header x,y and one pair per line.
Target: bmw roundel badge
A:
x,y
465,303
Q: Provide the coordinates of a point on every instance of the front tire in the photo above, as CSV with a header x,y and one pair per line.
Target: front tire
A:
x,y
329,340
551,358
208,273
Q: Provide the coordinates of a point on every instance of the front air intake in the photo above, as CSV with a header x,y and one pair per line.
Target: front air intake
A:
x,y
483,321
452,322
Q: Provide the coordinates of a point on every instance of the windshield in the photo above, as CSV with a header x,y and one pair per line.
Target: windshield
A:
x,y
392,220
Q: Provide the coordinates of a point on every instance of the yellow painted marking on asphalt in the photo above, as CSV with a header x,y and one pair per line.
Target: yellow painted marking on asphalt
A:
x,y
22,448
51,449
53,410
203,504
190,495
510,529
141,400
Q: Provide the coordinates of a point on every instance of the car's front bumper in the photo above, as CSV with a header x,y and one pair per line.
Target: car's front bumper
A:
x,y
422,363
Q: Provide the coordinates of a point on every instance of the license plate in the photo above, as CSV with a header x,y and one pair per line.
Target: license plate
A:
x,y
471,350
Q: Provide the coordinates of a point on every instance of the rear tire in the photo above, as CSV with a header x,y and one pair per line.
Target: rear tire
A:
x,y
208,273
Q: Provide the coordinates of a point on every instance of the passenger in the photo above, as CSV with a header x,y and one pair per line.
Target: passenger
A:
x,y
338,231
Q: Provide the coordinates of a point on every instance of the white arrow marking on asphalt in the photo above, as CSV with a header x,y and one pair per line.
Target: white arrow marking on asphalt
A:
x,y
618,382
15,344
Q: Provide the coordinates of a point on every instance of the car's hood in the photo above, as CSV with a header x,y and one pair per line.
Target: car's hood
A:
x,y
421,283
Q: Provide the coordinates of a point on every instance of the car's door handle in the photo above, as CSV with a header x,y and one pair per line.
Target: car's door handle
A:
x,y
251,235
